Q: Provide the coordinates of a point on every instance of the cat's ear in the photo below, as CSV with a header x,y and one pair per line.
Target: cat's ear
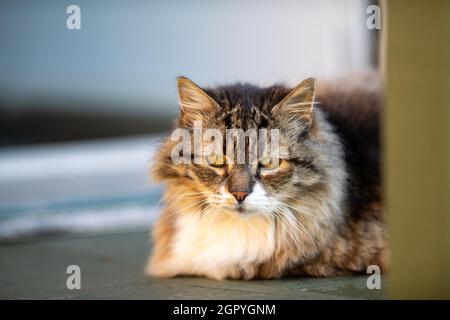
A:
x,y
194,102
298,102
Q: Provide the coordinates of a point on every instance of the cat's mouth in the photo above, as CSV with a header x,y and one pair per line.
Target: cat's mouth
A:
x,y
239,208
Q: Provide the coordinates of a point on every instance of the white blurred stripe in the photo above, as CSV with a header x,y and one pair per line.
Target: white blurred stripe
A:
x,y
118,218
41,187
95,157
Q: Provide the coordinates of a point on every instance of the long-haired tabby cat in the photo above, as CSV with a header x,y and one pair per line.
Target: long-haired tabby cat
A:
x,y
317,213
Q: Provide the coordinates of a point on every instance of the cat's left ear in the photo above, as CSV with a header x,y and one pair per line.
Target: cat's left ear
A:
x,y
299,101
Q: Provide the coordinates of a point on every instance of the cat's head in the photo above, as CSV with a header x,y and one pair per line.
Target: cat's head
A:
x,y
260,184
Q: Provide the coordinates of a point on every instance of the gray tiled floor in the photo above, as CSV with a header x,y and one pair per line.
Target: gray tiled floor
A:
x,y
111,268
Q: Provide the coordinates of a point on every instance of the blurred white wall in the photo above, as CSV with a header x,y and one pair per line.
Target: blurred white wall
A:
x,y
128,53
124,60
77,187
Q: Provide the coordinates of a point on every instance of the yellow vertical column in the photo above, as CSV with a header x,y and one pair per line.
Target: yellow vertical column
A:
x,y
417,147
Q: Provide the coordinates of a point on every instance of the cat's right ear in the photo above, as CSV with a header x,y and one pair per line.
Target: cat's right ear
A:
x,y
195,104
298,103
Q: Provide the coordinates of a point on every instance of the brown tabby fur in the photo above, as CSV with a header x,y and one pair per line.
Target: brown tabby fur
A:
x,y
333,222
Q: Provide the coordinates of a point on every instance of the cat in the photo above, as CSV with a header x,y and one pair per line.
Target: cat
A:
x,y
317,213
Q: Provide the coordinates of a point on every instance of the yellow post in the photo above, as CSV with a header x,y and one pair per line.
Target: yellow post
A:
x,y
417,147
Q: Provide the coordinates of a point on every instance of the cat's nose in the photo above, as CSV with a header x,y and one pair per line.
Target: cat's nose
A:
x,y
240,195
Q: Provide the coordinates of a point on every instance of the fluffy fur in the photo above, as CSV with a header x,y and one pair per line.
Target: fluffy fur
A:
x,y
318,214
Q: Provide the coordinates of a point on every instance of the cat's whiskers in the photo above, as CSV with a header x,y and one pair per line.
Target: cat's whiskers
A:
x,y
298,224
196,193
294,208
205,212
274,212
279,221
284,214
197,203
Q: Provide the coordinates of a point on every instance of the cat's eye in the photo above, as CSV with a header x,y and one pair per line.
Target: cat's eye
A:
x,y
216,161
269,163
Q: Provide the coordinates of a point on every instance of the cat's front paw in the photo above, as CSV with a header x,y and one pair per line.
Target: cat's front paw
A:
x,y
241,272
159,269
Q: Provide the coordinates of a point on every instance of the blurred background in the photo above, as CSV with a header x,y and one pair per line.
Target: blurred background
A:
x,y
82,111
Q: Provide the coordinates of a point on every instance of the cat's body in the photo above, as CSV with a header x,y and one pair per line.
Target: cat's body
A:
x,y
316,214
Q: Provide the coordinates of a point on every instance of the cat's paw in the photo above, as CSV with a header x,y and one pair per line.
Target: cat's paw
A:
x,y
159,270
241,272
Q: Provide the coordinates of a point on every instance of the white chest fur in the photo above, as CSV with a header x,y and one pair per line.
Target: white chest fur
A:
x,y
220,242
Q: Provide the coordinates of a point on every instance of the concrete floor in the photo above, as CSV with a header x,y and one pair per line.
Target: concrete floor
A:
x,y
111,268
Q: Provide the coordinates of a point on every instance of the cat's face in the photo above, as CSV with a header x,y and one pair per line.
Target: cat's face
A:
x,y
264,184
